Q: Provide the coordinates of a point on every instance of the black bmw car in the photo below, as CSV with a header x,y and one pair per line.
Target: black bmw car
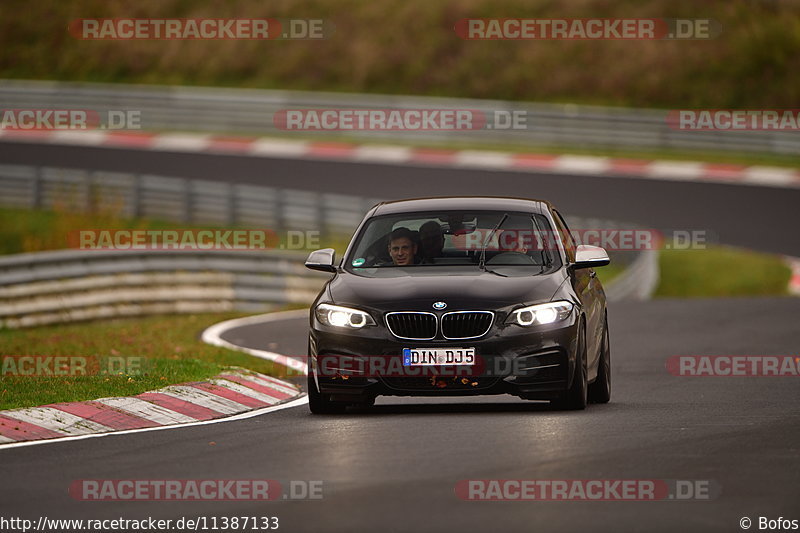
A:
x,y
460,296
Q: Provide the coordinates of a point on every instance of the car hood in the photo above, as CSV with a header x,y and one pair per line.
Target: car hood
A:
x,y
418,291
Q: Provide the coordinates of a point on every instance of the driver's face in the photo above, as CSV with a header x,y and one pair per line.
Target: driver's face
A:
x,y
402,251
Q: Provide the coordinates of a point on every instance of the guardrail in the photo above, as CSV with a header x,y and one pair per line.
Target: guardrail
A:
x,y
639,281
69,285
183,200
251,111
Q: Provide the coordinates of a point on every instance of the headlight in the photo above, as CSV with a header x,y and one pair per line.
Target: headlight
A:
x,y
342,317
540,314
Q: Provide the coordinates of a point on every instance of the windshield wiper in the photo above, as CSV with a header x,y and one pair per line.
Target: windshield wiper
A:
x,y
482,262
548,261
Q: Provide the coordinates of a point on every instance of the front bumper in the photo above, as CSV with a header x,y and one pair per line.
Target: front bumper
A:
x,y
535,362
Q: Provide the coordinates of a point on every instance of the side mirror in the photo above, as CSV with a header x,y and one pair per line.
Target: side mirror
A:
x,y
322,260
590,256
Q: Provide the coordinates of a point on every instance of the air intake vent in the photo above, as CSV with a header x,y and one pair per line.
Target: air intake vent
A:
x,y
410,325
466,324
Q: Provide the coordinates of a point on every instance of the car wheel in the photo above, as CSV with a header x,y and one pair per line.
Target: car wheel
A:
x,y
600,390
317,403
575,398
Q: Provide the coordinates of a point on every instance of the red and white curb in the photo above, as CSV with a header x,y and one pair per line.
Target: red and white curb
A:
x,y
234,392
403,155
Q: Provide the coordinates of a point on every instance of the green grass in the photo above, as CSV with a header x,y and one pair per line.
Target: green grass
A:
x,y
410,47
721,272
170,346
36,230
609,272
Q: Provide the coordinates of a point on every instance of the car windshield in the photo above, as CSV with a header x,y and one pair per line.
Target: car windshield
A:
x,y
451,240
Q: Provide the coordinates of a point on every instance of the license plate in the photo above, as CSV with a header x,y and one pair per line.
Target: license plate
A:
x,y
438,356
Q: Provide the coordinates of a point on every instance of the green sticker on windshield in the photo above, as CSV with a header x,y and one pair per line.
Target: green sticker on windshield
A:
x,y
358,262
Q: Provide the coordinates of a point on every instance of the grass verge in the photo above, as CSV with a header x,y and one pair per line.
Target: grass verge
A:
x,y
169,346
609,272
721,271
37,230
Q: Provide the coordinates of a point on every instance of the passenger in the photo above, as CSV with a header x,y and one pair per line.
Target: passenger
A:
x,y
402,247
431,242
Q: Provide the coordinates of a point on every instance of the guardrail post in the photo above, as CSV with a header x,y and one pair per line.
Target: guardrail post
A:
x,y
323,216
36,191
188,200
136,196
88,199
280,211
232,214
367,204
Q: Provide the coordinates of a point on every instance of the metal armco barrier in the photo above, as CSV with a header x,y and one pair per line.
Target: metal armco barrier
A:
x,y
252,111
181,200
69,285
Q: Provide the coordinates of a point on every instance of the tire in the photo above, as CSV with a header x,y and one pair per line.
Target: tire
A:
x,y
576,398
600,390
317,402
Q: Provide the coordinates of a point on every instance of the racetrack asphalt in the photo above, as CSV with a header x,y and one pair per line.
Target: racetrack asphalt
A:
x,y
395,468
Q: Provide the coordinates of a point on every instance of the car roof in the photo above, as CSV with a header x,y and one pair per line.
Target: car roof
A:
x,y
451,203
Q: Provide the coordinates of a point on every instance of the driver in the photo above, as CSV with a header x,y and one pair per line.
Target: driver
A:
x,y
402,247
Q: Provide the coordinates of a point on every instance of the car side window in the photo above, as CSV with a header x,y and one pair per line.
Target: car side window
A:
x,y
566,236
